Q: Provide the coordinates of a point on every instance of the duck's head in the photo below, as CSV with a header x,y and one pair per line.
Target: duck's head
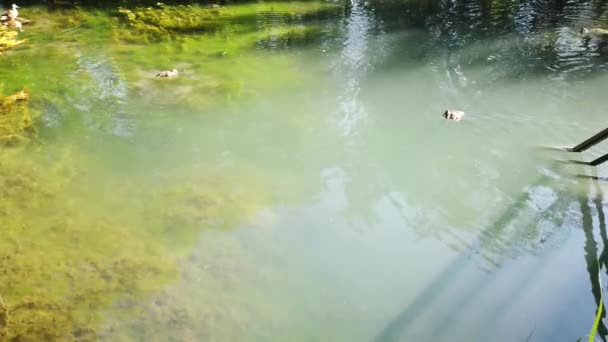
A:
x,y
15,6
446,114
584,30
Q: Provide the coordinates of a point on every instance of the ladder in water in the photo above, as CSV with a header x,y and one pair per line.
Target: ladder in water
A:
x,y
594,140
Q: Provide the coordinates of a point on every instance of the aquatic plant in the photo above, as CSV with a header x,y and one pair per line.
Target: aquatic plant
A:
x,y
16,123
95,262
3,314
149,24
193,200
600,309
8,39
283,37
596,322
50,286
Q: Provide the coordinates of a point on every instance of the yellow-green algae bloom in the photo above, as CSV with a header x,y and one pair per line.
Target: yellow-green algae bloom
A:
x,y
8,39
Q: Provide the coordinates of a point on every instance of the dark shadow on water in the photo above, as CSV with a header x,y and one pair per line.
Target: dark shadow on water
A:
x,y
572,161
532,39
589,206
595,178
483,246
394,330
555,148
595,262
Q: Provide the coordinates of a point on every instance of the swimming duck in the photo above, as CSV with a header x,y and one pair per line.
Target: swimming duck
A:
x,y
453,115
593,31
167,73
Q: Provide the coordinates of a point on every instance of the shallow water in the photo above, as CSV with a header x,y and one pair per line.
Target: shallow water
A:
x,y
303,186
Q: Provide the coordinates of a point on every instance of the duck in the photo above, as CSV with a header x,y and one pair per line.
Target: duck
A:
x,y
13,24
594,31
453,115
12,13
167,73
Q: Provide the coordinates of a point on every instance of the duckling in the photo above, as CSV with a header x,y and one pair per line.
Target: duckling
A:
x,y
594,31
167,73
453,115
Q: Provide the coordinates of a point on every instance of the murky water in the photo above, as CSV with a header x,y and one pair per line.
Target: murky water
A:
x,y
297,181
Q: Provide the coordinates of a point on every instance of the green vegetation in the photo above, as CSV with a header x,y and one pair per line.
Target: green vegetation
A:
x,y
597,320
81,250
90,262
16,123
600,309
74,253
150,24
8,39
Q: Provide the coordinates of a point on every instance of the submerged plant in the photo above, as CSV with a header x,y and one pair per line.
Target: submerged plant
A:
x,y
154,24
147,24
74,268
16,123
600,308
55,287
8,39
596,322
3,314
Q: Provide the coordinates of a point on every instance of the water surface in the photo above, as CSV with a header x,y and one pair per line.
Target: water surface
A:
x,y
297,181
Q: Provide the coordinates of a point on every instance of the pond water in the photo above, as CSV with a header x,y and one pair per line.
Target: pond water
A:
x,y
297,182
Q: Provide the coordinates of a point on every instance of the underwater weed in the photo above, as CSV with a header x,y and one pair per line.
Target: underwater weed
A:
x,y
8,39
16,123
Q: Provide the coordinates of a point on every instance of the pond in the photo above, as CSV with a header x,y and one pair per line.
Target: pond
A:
x,y
296,181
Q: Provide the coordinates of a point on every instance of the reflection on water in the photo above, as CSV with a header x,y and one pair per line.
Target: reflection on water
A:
x,y
395,226
352,65
105,93
593,207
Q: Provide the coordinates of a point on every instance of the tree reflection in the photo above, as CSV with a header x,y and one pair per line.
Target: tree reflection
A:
x,y
594,261
541,37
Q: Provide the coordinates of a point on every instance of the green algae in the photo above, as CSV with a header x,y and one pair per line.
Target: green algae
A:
x,y
3,314
216,64
8,39
284,37
80,246
91,264
52,285
153,24
214,315
16,123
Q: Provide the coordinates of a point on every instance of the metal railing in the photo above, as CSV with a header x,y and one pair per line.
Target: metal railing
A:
x,y
587,144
